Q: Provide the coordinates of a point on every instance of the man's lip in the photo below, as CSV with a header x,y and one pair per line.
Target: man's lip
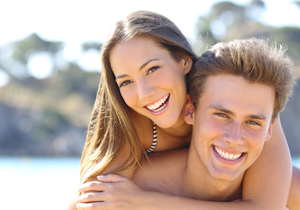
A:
x,y
230,151
227,161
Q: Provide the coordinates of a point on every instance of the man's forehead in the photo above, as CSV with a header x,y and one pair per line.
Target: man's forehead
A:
x,y
234,93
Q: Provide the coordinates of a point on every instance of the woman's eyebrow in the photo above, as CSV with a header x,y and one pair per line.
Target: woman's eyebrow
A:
x,y
147,62
142,66
121,76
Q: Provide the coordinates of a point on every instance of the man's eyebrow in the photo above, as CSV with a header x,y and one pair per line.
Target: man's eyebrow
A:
x,y
257,117
142,66
252,116
221,109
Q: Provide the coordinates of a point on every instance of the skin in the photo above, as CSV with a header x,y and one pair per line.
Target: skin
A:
x,y
235,123
275,168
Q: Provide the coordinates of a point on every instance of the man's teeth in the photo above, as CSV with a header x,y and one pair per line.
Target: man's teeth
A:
x,y
227,156
156,107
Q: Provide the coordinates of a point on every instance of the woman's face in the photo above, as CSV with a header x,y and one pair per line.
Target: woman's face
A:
x,y
151,82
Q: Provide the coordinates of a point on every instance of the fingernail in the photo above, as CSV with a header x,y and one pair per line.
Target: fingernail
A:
x,y
101,176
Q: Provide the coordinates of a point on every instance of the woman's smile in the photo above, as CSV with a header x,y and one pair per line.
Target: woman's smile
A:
x,y
159,105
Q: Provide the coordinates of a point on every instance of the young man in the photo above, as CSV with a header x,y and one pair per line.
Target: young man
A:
x,y
237,91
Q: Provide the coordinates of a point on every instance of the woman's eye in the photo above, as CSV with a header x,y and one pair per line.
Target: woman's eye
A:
x,y
124,83
153,69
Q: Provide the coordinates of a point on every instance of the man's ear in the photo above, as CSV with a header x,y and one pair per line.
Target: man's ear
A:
x,y
269,134
187,64
188,111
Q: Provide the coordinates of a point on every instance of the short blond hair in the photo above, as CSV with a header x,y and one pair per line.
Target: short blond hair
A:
x,y
255,60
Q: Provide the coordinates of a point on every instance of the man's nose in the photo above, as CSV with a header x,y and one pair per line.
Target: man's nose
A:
x,y
233,135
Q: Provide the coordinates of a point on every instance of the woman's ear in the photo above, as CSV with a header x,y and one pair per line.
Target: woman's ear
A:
x,y
187,64
188,110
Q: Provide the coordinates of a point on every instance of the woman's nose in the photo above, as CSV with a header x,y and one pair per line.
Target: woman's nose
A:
x,y
145,90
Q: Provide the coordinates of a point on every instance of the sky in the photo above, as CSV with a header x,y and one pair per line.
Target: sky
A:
x,y
75,22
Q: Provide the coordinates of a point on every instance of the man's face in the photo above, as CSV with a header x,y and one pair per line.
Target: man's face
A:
x,y
231,124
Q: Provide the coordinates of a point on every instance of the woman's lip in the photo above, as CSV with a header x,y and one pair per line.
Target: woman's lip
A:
x,y
158,103
153,103
162,108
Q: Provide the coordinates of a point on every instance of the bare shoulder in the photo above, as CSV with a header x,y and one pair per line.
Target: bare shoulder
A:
x,y
161,169
144,128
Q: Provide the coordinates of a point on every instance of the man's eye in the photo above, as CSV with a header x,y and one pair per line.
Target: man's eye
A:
x,y
221,115
153,69
124,83
253,122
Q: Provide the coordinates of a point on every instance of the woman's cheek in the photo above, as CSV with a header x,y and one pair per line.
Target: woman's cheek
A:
x,y
129,96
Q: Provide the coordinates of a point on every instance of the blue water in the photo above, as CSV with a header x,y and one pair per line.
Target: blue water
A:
x,y
42,183
296,161
38,183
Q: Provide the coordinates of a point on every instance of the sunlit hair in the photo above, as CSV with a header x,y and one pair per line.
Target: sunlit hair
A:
x,y
254,59
111,126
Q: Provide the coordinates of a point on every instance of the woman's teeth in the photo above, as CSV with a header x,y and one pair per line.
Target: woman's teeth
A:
x,y
227,156
159,105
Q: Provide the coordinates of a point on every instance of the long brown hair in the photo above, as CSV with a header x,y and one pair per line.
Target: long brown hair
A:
x,y
111,127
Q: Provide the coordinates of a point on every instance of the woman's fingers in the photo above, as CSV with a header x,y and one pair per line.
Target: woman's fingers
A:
x,y
111,178
100,185
91,186
91,206
90,197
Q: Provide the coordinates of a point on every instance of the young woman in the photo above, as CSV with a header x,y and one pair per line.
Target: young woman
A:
x,y
138,110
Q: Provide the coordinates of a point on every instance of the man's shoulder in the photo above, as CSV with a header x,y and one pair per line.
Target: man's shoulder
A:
x,y
166,157
160,168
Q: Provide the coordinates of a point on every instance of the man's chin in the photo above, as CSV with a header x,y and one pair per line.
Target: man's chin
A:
x,y
225,175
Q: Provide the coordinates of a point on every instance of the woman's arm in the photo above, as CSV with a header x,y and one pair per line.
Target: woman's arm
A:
x,y
116,192
294,195
267,181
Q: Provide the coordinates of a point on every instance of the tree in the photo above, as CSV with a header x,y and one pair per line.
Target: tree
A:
x,y
32,45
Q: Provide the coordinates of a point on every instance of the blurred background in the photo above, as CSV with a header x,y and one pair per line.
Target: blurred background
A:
x,y
50,68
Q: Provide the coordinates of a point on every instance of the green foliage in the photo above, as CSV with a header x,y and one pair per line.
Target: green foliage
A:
x,y
34,44
91,46
239,24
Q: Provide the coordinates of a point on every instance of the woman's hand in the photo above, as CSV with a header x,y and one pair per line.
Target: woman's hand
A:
x,y
111,192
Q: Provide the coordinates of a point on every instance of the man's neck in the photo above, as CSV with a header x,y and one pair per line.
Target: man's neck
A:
x,y
202,185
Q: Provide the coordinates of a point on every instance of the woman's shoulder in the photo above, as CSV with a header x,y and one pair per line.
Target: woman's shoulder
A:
x,y
144,128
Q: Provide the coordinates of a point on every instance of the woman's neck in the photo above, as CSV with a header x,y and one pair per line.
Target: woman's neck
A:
x,y
175,137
